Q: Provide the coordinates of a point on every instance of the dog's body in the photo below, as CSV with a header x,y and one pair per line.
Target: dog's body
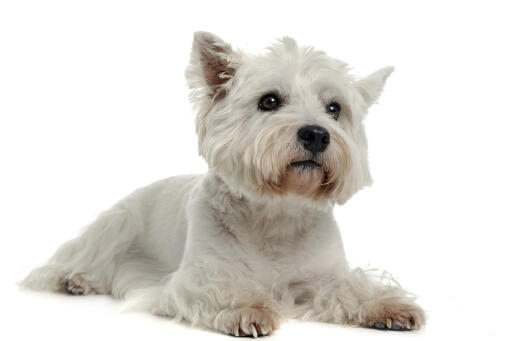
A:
x,y
254,240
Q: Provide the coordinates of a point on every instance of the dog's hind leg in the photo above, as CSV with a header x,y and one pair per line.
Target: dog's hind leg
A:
x,y
88,263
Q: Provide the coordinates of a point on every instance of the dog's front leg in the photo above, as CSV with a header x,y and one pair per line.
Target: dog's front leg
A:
x,y
207,294
216,285
357,298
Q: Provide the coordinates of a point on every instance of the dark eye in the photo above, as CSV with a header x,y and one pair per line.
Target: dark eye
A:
x,y
269,102
333,109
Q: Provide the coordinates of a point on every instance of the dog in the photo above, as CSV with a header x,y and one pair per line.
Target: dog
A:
x,y
254,241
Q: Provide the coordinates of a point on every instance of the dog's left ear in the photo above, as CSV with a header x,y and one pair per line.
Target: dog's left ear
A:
x,y
371,86
211,66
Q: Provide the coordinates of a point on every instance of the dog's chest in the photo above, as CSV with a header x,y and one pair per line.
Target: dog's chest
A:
x,y
273,241
282,246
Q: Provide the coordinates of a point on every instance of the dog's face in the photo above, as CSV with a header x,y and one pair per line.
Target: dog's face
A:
x,y
285,123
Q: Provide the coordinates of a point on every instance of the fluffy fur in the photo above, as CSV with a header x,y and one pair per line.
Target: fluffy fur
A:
x,y
254,240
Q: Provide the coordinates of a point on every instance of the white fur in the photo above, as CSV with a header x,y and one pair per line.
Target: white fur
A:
x,y
242,247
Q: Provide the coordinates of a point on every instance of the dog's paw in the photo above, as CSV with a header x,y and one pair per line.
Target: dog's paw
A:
x,y
77,285
393,314
252,322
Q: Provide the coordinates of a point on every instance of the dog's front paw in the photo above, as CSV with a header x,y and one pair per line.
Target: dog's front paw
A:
x,y
247,321
393,314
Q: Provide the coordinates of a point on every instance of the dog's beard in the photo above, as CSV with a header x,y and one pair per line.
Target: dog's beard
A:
x,y
303,178
316,177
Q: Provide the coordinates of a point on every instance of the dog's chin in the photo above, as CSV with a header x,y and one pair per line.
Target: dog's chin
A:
x,y
304,178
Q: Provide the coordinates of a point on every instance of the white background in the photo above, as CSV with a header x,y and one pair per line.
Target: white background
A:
x,y
93,104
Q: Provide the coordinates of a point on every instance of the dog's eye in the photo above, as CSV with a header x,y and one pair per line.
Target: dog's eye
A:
x,y
334,109
269,102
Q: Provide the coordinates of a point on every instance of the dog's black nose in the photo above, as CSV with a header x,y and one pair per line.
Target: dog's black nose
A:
x,y
314,138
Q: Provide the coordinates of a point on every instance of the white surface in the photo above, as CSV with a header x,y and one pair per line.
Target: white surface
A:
x,y
93,104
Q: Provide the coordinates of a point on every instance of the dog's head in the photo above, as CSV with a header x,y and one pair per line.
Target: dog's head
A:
x,y
285,123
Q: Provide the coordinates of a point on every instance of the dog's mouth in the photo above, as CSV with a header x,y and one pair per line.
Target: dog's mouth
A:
x,y
306,164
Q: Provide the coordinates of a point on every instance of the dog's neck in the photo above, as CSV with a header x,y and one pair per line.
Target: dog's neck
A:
x,y
270,218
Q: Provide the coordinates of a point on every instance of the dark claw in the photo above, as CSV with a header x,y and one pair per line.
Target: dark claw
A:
x,y
399,327
71,292
68,289
379,325
396,326
248,335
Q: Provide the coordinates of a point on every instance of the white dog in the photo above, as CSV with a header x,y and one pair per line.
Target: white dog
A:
x,y
254,240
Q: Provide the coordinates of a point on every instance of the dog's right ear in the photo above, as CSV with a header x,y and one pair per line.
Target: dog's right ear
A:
x,y
371,86
212,66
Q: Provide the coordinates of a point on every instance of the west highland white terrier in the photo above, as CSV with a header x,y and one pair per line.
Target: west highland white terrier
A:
x,y
254,240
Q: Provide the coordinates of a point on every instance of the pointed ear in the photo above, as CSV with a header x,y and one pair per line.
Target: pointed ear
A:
x,y
211,65
371,86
